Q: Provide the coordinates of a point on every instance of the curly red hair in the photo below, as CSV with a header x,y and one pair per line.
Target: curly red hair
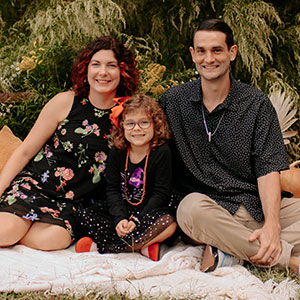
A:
x,y
153,111
129,74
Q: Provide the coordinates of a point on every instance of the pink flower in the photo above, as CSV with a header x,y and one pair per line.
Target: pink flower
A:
x,y
69,195
44,209
26,186
68,224
95,126
56,142
57,173
49,154
101,168
63,132
68,174
85,122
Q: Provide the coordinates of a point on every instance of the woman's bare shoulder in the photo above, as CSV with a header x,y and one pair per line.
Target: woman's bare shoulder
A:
x,y
61,104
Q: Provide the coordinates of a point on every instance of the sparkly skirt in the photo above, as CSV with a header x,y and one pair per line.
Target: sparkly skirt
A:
x,y
99,225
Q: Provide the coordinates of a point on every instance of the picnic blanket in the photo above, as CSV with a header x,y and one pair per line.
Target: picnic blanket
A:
x,y
176,275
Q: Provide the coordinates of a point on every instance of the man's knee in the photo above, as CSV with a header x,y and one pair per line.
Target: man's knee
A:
x,y
192,210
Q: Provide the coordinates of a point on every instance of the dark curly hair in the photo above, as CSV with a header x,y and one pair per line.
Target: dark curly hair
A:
x,y
129,75
153,111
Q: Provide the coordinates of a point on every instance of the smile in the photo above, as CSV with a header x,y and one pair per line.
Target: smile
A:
x,y
138,135
210,67
102,81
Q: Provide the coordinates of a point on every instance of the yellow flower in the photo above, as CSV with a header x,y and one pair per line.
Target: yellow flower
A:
x,y
158,89
27,64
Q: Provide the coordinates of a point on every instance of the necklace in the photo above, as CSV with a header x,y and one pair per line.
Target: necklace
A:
x,y
144,185
205,125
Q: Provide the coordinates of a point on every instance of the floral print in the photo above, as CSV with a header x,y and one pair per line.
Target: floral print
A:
x,y
70,166
88,129
64,175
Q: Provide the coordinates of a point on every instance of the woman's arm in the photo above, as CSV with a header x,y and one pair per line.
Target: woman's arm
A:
x,y
55,111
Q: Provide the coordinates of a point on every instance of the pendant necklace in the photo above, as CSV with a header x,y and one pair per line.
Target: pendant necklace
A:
x,y
209,133
144,184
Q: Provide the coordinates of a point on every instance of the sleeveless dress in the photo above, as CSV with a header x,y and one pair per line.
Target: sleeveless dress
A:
x,y
67,172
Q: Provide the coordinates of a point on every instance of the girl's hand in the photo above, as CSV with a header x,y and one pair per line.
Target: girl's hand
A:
x,y
131,226
122,228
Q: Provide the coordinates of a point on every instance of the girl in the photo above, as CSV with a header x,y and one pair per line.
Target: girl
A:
x,y
61,162
139,212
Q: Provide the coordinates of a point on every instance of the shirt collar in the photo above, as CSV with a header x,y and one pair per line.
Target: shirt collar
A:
x,y
230,101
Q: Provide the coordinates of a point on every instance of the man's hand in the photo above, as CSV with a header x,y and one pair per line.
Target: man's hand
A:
x,y
270,246
269,235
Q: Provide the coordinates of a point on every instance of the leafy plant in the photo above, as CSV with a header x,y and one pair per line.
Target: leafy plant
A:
x,y
286,116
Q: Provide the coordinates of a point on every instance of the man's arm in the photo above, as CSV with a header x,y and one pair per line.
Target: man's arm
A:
x,y
269,235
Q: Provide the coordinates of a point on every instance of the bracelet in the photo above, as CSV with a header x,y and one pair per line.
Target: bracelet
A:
x,y
135,219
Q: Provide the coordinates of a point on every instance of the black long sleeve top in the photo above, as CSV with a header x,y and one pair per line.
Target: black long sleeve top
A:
x,y
158,183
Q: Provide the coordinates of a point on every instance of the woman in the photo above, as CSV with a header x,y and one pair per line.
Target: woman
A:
x,y
61,162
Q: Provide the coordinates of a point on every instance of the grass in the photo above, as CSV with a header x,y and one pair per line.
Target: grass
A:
x,y
264,274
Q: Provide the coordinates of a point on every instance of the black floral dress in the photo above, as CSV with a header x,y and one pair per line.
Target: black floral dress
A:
x,y
67,172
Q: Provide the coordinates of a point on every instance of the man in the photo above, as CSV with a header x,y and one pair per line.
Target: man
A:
x,y
228,151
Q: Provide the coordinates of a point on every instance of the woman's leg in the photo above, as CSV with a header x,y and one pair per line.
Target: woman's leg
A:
x,y
12,228
168,232
44,236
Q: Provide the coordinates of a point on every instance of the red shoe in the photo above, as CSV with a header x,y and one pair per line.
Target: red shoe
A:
x,y
152,251
85,244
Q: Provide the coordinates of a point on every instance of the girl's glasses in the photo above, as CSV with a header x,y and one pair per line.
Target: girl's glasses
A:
x,y
143,124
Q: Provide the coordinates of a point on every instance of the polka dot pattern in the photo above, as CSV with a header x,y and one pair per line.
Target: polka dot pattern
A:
x,y
246,145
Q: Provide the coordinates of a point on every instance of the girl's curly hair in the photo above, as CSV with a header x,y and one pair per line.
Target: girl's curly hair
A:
x,y
153,111
129,80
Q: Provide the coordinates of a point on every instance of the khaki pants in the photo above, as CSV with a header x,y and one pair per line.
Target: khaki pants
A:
x,y
206,222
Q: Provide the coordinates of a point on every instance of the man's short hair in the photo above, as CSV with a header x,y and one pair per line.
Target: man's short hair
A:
x,y
215,25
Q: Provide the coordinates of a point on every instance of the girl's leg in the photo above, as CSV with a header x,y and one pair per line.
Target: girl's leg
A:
x,y
168,232
44,236
12,228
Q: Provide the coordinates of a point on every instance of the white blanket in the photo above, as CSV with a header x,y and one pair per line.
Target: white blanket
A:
x,y
176,275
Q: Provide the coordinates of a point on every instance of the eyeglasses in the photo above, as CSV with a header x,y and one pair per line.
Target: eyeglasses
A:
x,y
143,124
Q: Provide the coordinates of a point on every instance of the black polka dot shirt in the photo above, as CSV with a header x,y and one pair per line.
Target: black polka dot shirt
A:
x,y
246,143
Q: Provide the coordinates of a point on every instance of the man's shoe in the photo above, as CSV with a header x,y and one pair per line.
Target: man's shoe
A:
x,y
214,258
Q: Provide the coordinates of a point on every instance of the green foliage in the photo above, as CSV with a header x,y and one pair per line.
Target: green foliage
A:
x,y
64,24
39,40
253,34
21,115
169,23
